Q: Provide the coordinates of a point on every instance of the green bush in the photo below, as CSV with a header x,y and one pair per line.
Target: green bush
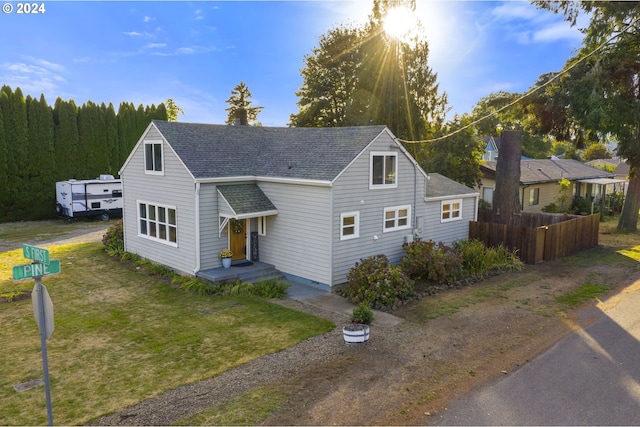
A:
x,y
478,259
431,262
362,313
113,239
474,256
377,283
272,288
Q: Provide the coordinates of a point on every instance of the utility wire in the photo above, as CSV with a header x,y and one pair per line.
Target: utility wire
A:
x,y
526,94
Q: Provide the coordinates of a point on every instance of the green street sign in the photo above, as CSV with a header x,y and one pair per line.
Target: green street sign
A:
x,y
36,254
27,271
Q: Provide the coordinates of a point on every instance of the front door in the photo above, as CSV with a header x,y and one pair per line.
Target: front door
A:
x,y
238,239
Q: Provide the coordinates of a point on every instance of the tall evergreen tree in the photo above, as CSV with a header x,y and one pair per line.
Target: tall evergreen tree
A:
x,y
240,110
16,134
41,165
66,140
4,188
111,139
365,76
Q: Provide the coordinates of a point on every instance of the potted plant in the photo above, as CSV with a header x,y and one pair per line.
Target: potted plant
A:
x,y
358,330
226,255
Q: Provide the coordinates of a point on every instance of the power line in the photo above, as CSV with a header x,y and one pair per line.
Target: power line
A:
x,y
526,94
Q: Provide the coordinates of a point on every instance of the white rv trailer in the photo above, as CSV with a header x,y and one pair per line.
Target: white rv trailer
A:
x,y
89,198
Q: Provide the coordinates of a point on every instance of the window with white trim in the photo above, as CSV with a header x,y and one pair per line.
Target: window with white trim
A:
x,y
153,159
262,225
451,210
158,222
349,225
397,218
383,170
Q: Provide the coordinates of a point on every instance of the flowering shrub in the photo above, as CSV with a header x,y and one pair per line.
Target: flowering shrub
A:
x,y
226,253
377,283
431,262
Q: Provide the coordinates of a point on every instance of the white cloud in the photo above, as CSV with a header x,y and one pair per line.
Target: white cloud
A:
x,y
148,19
34,76
132,33
557,31
154,45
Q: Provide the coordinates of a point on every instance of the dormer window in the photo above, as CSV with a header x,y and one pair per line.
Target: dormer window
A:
x,y
383,170
153,159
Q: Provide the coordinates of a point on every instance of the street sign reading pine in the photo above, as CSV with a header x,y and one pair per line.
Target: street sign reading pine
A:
x,y
28,271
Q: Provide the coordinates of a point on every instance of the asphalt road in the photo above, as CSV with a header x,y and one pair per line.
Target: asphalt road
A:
x,y
592,377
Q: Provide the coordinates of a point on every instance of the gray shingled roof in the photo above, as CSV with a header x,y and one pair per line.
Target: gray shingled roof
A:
x,y
547,170
441,186
246,198
216,151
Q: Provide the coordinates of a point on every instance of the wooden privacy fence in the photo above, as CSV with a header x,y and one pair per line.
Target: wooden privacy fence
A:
x,y
545,241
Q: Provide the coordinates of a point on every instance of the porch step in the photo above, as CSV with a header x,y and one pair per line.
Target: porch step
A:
x,y
256,273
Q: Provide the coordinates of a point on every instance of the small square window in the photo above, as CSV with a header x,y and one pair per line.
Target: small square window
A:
x,y
349,225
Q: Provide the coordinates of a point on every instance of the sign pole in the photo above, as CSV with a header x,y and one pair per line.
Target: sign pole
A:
x,y
43,343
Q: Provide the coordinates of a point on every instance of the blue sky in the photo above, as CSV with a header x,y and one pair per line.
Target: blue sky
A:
x,y
196,52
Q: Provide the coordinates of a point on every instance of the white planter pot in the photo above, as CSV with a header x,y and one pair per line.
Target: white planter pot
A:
x,y
355,332
226,262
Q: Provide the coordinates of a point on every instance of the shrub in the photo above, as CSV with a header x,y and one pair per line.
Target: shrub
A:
x,y
377,283
362,313
272,288
477,259
426,260
474,256
113,239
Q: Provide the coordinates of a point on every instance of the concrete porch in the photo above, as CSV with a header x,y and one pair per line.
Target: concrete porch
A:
x,y
247,271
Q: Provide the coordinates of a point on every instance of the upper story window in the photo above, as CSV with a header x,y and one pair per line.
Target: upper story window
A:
x,y
451,210
349,225
397,218
153,159
384,168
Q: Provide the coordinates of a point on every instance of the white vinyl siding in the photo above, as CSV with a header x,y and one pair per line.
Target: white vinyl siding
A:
x,y
383,170
351,193
175,188
298,242
451,210
349,225
153,157
397,218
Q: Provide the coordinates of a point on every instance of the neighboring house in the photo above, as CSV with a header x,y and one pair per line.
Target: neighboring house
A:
x,y
539,183
492,149
309,201
492,146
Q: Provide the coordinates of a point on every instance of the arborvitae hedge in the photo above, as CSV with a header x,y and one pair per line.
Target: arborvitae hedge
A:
x,y
40,145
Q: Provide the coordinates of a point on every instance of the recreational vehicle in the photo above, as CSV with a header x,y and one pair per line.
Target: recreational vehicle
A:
x,y
89,198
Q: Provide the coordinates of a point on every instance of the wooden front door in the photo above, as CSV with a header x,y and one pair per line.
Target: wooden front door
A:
x,y
238,241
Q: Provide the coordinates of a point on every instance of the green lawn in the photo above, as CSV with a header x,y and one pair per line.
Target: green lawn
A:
x,y
121,337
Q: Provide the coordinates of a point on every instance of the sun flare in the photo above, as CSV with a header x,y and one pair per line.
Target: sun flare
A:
x,y
400,23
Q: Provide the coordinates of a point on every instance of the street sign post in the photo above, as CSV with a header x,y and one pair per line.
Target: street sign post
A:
x,y
42,265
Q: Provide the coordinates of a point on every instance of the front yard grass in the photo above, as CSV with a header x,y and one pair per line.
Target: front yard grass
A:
x,y
122,337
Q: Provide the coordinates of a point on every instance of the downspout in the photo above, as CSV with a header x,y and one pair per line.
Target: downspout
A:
x,y
197,225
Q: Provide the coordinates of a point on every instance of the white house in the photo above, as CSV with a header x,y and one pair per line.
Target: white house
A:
x,y
309,201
